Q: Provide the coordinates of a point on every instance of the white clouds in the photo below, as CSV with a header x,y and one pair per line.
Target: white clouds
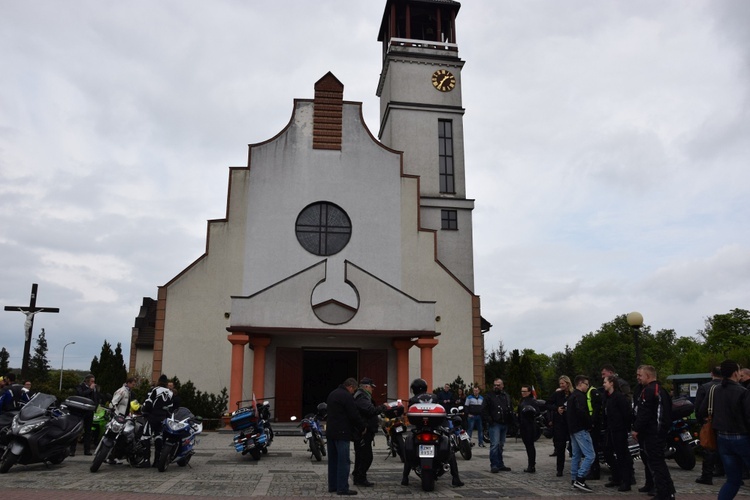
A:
x,y
605,142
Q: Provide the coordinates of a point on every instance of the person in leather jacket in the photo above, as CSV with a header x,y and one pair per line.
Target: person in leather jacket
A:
x,y
710,457
557,405
363,445
528,409
652,407
156,408
731,422
498,411
419,388
87,389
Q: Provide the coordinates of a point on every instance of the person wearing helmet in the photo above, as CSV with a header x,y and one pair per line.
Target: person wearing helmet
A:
x,y
419,389
528,409
156,408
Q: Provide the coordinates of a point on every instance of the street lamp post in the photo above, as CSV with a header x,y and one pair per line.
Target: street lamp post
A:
x,y
62,363
635,320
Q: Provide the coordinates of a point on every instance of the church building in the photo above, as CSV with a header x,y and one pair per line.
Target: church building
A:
x,y
341,254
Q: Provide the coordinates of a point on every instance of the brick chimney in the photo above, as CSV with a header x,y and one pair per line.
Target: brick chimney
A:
x,y
328,112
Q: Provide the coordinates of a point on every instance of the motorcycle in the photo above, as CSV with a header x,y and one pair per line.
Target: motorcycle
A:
x,y
179,431
313,431
393,426
6,420
99,424
122,438
459,438
43,432
681,443
256,433
426,447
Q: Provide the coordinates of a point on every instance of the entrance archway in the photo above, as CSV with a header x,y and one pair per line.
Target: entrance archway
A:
x,y
322,372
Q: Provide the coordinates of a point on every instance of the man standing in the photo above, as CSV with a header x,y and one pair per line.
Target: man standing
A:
x,y
622,384
498,411
344,423
652,408
155,409
710,457
445,397
474,411
363,445
121,397
579,425
87,389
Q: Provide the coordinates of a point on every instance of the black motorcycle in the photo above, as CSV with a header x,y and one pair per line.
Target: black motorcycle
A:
x,y
459,438
680,444
313,431
427,447
121,440
43,432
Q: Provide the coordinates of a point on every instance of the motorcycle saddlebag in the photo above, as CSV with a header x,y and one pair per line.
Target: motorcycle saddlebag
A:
x,y
427,414
79,406
243,418
681,408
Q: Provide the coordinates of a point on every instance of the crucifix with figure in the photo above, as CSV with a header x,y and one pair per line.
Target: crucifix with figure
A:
x,y
30,311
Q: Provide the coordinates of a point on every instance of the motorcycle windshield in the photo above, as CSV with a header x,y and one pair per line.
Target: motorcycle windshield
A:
x,y
182,413
36,406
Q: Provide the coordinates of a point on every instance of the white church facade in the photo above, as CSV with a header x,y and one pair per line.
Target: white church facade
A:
x,y
341,254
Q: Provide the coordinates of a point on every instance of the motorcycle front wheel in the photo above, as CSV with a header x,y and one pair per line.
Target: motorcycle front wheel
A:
x,y
101,455
166,454
8,461
464,447
315,448
685,456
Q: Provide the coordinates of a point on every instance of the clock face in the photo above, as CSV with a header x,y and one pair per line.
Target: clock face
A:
x,y
443,80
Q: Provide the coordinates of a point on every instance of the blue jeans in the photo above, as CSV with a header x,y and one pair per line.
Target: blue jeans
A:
x,y
734,451
582,446
338,465
497,441
475,421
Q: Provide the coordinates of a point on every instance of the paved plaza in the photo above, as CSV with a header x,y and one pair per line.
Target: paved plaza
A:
x,y
217,471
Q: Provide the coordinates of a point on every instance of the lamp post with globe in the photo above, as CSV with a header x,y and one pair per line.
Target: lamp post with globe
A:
x,y
635,320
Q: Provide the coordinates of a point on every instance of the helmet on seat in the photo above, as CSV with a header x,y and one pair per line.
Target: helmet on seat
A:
x,y
419,386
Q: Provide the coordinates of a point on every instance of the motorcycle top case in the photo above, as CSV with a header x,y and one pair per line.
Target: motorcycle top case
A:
x,y
682,408
78,405
426,414
243,418
394,409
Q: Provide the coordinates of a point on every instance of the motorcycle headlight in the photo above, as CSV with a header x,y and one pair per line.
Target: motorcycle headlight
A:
x,y
175,425
26,428
116,425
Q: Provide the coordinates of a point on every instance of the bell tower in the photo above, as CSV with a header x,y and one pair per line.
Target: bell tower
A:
x,y
421,114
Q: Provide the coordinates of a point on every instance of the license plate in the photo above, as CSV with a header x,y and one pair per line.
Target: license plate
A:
x,y
426,451
464,436
308,435
686,436
399,429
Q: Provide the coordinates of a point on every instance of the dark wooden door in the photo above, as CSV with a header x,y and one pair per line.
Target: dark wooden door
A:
x,y
373,363
288,383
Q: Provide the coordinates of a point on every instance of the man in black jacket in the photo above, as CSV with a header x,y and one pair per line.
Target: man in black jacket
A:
x,y
363,445
579,426
498,411
710,457
87,389
344,424
653,407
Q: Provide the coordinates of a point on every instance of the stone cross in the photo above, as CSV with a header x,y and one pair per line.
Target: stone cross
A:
x,y
30,311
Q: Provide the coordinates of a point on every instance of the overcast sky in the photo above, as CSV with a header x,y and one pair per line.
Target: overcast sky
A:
x,y
607,149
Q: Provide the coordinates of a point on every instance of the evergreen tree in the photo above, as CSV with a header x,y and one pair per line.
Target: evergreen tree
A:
x,y
4,357
38,363
495,365
109,369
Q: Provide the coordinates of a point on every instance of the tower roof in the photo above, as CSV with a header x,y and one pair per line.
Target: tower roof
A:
x,y
387,11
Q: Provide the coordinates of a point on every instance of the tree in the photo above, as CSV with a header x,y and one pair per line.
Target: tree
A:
x,y
725,332
38,363
4,357
495,364
109,369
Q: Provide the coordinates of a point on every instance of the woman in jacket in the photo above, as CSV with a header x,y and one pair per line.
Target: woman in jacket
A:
x,y
731,422
528,409
617,413
557,404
